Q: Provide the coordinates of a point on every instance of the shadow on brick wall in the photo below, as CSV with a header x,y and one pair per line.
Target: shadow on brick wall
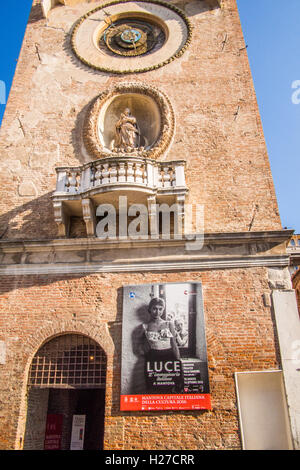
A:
x,y
31,221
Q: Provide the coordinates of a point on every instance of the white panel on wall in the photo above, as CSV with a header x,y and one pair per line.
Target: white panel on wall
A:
x,y
263,411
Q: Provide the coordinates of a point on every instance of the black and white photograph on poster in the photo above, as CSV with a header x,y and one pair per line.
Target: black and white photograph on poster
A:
x,y
164,347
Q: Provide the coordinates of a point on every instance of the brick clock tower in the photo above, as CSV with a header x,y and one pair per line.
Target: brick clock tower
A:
x,y
146,301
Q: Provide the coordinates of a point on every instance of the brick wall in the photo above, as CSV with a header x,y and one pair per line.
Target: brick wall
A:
x,y
219,134
36,419
240,337
218,128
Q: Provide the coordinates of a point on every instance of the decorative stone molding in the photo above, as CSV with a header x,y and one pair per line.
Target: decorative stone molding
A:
x,y
87,34
74,256
144,266
151,107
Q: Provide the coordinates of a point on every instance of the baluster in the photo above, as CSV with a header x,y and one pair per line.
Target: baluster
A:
x,y
93,176
145,176
68,178
159,177
98,175
173,177
122,173
138,173
113,173
105,174
130,172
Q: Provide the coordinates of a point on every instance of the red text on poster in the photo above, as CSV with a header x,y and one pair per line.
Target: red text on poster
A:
x,y
166,402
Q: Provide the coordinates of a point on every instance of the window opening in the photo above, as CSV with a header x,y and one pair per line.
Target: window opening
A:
x,y
69,361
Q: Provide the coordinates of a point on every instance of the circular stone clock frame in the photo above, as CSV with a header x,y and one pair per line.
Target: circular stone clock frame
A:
x,y
154,106
119,58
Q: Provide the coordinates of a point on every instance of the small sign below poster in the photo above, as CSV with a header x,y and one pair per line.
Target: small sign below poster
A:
x,y
164,358
78,428
53,432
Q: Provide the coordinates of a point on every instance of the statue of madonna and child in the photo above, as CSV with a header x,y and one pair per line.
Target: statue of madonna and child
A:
x,y
127,134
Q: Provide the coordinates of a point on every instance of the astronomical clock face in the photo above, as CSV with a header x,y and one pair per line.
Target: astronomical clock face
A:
x,y
132,37
129,37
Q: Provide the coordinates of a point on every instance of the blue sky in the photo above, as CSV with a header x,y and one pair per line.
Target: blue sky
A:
x,y
271,31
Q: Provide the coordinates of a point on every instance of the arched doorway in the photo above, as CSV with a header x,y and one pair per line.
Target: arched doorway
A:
x,y
66,395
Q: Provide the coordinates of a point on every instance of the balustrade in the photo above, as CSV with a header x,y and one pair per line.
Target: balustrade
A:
x,y
142,172
84,184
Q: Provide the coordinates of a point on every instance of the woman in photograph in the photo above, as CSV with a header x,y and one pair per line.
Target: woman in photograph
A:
x,y
163,368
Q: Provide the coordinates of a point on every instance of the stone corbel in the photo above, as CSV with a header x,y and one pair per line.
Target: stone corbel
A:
x,y
89,216
62,218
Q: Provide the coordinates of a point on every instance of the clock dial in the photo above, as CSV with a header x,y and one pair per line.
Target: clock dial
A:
x,y
130,37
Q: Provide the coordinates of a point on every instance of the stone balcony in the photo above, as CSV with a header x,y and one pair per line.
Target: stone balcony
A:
x,y
79,190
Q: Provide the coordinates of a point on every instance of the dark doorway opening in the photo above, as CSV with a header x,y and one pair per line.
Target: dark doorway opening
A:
x,y
66,391
90,403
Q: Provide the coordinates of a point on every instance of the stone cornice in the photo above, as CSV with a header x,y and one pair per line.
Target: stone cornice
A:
x,y
276,236
180,265
86,256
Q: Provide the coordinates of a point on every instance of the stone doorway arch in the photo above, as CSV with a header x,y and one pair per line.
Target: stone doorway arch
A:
x,y
67,378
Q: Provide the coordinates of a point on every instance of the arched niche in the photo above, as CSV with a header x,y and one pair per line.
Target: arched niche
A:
x,y
142,107
151,109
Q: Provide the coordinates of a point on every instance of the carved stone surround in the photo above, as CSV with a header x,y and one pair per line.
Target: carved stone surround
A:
x,y
87,256
89,30
151,107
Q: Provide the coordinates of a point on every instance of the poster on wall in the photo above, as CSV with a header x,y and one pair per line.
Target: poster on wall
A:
x,y
77,436
164,358
53,432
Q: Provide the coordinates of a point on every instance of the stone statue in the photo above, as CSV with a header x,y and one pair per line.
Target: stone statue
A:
x,y
127,134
